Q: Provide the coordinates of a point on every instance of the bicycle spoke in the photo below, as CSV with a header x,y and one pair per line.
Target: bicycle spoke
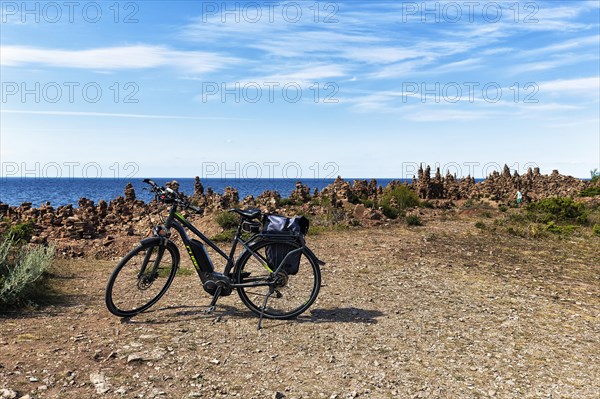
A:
x,y
292,292
140,280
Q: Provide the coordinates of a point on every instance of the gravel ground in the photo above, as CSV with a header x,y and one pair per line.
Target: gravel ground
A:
x,y
439,311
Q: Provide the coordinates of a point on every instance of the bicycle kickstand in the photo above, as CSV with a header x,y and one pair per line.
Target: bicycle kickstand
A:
x,y
213,302
262,310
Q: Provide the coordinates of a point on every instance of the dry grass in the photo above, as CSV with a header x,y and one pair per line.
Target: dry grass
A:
x,y
443,311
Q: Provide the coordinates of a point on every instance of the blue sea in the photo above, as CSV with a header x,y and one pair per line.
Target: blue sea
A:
x,y
64,191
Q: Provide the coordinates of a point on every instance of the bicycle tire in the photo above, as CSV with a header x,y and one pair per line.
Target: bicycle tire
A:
x,y
126,276
297,295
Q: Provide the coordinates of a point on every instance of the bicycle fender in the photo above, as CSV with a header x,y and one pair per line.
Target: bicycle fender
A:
x,y
311,253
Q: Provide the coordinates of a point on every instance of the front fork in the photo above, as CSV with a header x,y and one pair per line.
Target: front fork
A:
x,y
154,272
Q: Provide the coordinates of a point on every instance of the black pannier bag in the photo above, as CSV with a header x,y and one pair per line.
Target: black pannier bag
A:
x,y
277,252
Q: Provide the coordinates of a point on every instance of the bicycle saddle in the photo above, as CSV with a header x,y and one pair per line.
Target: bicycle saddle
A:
x,y
247,213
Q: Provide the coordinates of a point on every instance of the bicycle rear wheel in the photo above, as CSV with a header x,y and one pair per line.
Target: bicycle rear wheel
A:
x,y
141,279
289,294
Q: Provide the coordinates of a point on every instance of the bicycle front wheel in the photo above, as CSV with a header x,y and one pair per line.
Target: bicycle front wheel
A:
x,y
141,279
289,292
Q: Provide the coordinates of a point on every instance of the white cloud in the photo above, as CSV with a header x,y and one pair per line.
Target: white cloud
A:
x,y
304,76
589,86
115,58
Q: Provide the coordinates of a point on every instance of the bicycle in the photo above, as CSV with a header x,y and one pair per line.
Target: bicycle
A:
x,y
269,290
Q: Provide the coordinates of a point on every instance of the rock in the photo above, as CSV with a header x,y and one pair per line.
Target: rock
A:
x,y
278,395
121,391
6,393
249,201
130,193
198,187
269,199
230,198
301,194
135,357
100,383
359,211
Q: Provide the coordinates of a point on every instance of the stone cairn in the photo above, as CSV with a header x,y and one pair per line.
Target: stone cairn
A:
x,y
125,215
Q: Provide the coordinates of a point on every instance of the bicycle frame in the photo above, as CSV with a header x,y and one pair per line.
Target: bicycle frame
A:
x,y
178,222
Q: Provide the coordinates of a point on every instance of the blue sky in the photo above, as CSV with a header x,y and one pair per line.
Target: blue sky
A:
x,y
282,89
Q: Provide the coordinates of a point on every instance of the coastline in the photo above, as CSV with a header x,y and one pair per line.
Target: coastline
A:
x,y
342,203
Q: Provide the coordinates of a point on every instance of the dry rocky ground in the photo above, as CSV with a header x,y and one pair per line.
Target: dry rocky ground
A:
x,y
440,311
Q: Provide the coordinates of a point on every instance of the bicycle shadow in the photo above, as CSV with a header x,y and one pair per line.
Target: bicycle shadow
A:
x,y
186,313
345,315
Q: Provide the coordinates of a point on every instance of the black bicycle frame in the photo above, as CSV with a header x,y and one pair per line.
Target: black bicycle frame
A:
x,y
177,221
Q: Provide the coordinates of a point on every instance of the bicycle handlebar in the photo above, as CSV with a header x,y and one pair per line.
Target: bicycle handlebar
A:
x,y
167,195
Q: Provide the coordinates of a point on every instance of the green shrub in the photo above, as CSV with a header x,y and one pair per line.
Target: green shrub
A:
x,y
21,232
503,208
228,220
595,175
557,209
512,231
427,204
318,230
390,212
354,199
326,201
22,269
596,230
287,202
558,229
590,192
368,203
224,236
480,225
470,203
394,201
414,220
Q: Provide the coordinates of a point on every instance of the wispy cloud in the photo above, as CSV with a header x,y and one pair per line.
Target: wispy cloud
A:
x,y
589,86
378,41
116,58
